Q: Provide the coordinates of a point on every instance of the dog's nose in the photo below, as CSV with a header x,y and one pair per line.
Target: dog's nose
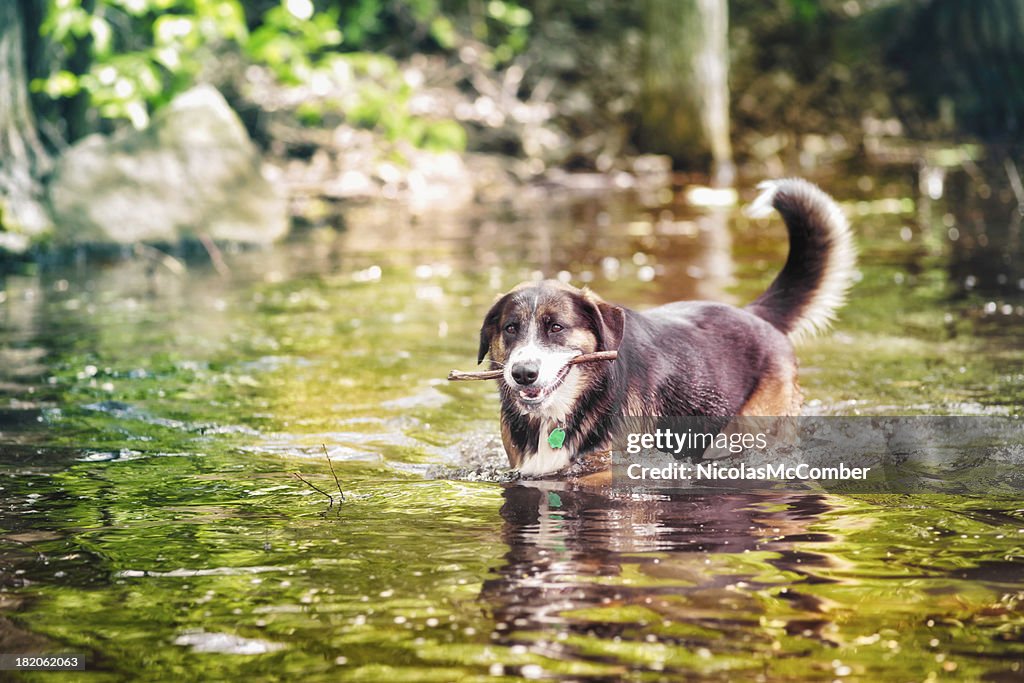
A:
x,y
525,373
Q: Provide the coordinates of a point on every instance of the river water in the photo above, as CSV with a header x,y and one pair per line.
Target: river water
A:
x,y
153,410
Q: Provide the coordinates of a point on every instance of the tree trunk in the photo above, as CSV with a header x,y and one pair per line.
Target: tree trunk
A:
x,y
685,102
22,156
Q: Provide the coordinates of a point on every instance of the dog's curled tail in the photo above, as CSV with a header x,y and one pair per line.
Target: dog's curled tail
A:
x,y
804,297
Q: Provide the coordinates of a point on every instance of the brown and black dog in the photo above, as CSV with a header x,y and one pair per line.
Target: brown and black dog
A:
x,y
689,358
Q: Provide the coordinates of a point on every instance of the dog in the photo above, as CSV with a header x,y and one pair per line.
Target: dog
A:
x,y
687,358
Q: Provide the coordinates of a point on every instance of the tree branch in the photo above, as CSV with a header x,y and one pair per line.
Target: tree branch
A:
x,y
459,376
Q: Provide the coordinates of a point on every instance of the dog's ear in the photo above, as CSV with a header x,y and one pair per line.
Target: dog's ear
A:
x,y
609,321
490,328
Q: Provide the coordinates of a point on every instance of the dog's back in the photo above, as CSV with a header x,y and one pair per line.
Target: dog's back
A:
x,y
719,360
701,358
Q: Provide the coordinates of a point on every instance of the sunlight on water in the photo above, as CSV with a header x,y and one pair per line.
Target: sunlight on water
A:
x,y
151,422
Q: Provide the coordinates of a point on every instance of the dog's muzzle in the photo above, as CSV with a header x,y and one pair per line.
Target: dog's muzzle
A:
x,y
533,394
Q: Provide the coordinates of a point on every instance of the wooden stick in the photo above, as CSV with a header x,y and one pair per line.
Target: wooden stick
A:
x,y
314,487
459,376
331,465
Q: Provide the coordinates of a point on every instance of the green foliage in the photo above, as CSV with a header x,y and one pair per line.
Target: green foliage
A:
x,y
141,53
499,26
506,27
806,11
291,39
938,67
442,135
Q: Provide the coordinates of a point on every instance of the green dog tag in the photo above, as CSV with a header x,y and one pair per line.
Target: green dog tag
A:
x,y
556,438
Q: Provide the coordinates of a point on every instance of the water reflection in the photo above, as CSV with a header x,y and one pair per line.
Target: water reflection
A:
x,y
343,338
639,248
673,570
986,209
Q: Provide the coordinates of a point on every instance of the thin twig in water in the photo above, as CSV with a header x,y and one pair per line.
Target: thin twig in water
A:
x,y
166,260
1015,182
315,488
331,465
216,257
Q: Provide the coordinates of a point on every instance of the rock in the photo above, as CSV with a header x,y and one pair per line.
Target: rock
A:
x,y
193,171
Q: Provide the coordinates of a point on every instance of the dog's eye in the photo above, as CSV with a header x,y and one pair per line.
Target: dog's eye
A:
x,y
555,327
511,328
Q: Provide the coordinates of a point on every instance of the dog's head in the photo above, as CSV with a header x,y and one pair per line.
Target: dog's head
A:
x,y
532,332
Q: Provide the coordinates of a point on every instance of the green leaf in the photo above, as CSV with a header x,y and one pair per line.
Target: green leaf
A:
x,y
60,84
443,136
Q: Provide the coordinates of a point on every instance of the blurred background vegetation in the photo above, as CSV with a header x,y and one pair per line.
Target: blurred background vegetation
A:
x,y
715,87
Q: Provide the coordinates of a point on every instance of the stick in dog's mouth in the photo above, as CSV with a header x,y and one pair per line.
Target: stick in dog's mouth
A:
x,y
459,376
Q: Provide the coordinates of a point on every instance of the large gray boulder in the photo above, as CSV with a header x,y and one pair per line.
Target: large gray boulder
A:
x,y
193,171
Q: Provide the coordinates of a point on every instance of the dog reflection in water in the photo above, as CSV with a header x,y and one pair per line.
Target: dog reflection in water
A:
x,y
679,563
